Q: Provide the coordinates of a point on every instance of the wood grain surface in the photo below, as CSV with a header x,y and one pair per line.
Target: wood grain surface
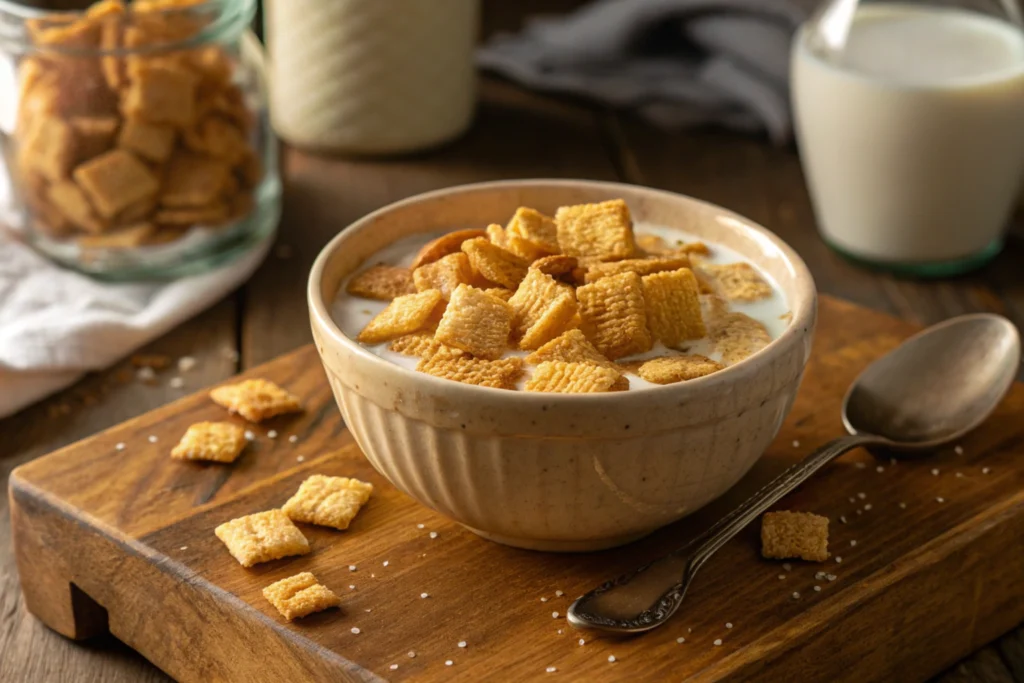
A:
x,y
123,539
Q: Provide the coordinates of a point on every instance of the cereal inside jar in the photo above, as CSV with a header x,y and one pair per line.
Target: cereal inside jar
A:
x,y
138,142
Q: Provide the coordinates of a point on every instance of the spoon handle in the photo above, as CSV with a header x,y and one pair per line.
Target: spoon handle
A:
x,y
627,606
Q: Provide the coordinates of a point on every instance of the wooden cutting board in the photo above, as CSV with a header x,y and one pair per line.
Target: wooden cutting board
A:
x,y
123,540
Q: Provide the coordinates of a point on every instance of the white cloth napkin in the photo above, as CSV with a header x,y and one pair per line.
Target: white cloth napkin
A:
x,y
56,325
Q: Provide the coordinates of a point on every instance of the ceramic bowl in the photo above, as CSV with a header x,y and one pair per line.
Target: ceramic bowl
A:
x,y
561,472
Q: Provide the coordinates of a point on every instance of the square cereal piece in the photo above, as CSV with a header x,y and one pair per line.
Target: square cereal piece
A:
x,y
794,535
255,399
555,265
94,134
497,236
448,243
115,180
738,281
422,345
69,200
552,322
381,282
596,271
599,232
672,369
404,315
533,297
262,537
736,336
444,274
127,237
151,141
162,93
573,378
50,147
536,228
217,137
497,374
300,595
571,347
476,322
193,180
214,441
614,315
673,306
328,501
494,263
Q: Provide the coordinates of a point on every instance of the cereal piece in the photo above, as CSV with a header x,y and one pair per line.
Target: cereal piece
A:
x,y
672,369
494,263
207,215
614,315
50,147
497,235
536,228
524,249
444,274
262,537
328,501
500,292
533,297
137,212
673,306
193,180
255,399
217,137
695,248
115,180
573,378
300,595
736,336
423,345
551,323
405,314
448,243
555,265
151,141
654,245
123,238
381,282
738,281
794,534
571,347
160,93
476,322
215,441
596,271
69,200
498,374
94,135
600,232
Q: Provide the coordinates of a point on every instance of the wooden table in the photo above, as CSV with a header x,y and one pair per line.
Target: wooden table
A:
x,y
516,135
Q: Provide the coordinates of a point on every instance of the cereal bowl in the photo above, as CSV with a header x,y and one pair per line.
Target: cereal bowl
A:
x,y
561,472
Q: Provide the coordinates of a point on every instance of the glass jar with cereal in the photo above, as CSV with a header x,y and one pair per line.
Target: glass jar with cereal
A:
x,y
135,136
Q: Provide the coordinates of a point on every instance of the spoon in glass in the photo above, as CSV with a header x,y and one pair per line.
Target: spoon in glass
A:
x,y
931,390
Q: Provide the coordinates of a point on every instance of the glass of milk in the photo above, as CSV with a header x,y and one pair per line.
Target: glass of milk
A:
x,y
910,122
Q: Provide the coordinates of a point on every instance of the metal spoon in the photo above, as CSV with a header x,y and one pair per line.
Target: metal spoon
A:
x,y
933,389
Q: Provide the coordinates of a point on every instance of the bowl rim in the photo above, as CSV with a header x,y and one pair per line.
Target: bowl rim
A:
x,y
800,324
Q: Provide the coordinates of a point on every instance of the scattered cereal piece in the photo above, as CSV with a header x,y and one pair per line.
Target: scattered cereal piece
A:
x,y
255,399
404,315
262,537
213,441
596,271
572,378
571,347
476,323
328,501
300,595
671,369
555,265
497,374
601,232
449,243
494,263
794,534
116,180
737,336
738,281
381,282
614,315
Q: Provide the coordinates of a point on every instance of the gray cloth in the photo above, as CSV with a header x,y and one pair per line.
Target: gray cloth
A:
x,y
677,63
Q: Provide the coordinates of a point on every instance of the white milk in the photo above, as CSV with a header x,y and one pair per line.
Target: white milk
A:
x,y
912,140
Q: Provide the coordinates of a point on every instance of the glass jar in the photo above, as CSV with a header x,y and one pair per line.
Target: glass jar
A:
x,y
136,141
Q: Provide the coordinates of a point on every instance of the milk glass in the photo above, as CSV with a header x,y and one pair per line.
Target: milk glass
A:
x,y
910,123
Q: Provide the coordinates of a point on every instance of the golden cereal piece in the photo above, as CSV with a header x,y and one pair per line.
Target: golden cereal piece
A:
x,y
207,215
300,595
497,235
672,369
599,232
50,147
476,322
500,292
193,180
161,93
694,248
573,378
127,237
449,243
151,141
94,135
328,501
494,263
555,265
654,245
641,267
137,212
738,281
215,441
673,306
571,347
444,274
552,322
381,282
736,336
524,249
262,537
69,200
217,137
404,315
115,180
794,535
256,399
422,345
497,374
536,228
533,297
614,315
